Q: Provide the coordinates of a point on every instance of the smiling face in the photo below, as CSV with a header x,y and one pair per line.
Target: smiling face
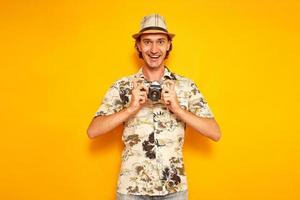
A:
x,y
153,48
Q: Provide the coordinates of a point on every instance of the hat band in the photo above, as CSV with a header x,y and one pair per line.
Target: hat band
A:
x,y
153,28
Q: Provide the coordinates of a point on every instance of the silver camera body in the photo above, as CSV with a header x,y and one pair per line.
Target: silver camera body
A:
x,y
154,92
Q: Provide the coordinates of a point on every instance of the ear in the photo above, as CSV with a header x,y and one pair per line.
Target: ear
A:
x,y
168,46
138,45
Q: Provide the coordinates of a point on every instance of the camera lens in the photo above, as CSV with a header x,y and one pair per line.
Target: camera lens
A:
x,y
154,91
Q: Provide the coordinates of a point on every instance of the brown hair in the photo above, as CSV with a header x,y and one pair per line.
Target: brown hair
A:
x,y
140,53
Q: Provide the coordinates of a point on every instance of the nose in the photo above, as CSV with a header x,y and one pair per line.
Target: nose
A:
x,y
154,48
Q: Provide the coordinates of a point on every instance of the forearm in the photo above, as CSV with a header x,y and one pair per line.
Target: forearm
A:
x,y
206,126
104,124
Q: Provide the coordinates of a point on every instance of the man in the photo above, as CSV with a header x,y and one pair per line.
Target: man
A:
x,y
152,162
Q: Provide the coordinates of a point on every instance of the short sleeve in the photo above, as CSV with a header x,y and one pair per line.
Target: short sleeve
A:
x,y
111,103
197,103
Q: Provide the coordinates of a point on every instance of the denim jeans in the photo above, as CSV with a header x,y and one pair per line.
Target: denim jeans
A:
x,y
183,195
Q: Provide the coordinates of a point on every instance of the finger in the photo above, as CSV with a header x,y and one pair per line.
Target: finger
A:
x,y
165,96
165,90
167,101
139,88
142,100
140,81
143,88
167,83
134,83
172,85
143,95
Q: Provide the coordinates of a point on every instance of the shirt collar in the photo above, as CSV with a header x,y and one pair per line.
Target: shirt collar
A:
x,y
167,74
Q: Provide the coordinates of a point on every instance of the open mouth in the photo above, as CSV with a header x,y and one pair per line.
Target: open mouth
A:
x,y
154,57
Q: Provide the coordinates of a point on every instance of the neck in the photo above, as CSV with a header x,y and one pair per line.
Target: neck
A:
x,y
153,74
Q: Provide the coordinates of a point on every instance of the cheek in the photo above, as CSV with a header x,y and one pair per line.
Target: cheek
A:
x,y
144,50
164,50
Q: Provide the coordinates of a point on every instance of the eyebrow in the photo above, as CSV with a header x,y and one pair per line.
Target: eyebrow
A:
x,y
147,39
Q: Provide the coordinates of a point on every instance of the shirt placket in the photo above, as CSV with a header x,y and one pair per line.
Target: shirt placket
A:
x,y
157,148
158,153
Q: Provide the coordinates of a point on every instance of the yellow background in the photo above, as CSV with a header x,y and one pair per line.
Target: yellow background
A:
x,y
58,58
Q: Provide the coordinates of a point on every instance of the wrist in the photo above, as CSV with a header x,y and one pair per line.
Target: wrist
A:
x,y
179,111
129,111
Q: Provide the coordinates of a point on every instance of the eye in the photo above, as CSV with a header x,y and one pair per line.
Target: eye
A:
x,y
147,42
161,42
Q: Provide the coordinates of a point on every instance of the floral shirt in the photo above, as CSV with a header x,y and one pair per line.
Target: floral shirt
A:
x,y
152,159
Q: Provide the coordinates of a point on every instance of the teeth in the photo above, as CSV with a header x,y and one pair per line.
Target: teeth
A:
x,y
154,56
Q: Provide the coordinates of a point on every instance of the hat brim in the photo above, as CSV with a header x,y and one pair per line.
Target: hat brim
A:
x,y
135,36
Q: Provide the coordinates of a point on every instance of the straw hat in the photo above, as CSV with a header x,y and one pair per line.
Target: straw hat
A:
x,y
153,23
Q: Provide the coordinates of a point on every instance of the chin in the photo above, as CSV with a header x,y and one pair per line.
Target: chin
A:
x,y
154,65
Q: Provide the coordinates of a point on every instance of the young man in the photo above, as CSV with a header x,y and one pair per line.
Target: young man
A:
x,y
154,106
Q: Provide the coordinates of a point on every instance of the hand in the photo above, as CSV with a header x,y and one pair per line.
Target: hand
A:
x,y
138,96
169,96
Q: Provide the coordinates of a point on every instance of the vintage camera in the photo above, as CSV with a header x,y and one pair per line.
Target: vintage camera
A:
x,y
154,92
